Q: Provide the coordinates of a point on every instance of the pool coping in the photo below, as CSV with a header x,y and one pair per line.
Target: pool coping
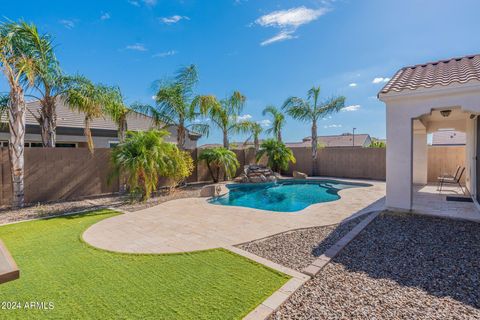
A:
x,y
225,190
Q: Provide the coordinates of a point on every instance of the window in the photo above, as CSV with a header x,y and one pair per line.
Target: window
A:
x,y
65,145
113,144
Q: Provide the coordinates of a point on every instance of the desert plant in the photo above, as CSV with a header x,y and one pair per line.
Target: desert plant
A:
x,y
218,159
144,157
278,155
224,115
311,110
278,122
177,105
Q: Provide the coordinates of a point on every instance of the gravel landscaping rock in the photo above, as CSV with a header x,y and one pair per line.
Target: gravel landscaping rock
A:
x,y
399,267
117,201
298,248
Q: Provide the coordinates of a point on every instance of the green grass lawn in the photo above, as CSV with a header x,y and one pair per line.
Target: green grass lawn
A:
x,y
87,283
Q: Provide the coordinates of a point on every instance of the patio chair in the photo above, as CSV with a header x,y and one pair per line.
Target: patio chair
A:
x,y
447,176
454,180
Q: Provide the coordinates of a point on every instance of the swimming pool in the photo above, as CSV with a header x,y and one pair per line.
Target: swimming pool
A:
x,y
285,195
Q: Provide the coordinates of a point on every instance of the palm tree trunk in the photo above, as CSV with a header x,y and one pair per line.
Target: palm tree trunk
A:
x,y
314,148
226,143
181,135
88,135
279,135
211,173
16,144
122,130
48,122
256,143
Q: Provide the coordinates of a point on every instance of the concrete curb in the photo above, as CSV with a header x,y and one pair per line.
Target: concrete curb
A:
x,y
272,303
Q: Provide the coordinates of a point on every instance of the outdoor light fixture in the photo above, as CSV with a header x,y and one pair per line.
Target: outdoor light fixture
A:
x,y
445,113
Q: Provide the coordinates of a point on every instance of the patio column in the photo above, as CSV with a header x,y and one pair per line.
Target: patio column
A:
x,y
399,158
420,156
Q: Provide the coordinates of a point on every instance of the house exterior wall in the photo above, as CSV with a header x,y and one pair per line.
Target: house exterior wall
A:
x,y
402,108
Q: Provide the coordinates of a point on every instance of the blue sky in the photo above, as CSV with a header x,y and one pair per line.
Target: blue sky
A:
x,y
269,50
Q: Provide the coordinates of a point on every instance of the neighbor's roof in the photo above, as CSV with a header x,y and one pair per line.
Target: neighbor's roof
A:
x,y
448,138
443,73
343,140
72,119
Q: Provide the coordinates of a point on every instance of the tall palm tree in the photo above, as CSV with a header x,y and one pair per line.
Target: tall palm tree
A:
x,y
117,110
224,115
218,159
278,121
311,110
177,105
88,98
17,62
254,129
49,84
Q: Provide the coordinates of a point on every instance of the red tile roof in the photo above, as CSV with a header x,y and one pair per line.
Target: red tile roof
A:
x,y
443,73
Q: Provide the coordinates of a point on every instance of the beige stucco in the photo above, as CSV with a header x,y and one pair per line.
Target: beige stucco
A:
x,y
405,154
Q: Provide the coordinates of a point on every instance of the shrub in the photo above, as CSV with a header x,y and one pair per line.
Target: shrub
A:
x,y
279,156
218,159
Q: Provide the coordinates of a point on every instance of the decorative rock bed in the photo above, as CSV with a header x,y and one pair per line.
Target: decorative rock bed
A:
x,y
400,267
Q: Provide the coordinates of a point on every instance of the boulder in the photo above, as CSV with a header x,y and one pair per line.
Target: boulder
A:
x,y
299,175
211,190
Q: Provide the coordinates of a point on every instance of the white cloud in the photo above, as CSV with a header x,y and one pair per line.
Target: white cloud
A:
x,y
244,117
294,17
332,126
105,16
150,3
351,108
136,47
282,36
288,21
134,3
201,120
165,54
380,80
265,123
69,24
173,19
353,84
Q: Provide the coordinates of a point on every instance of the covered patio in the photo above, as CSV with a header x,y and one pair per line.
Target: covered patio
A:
x,y
420,100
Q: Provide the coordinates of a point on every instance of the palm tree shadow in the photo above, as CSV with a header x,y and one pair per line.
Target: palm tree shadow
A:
x,y
438,256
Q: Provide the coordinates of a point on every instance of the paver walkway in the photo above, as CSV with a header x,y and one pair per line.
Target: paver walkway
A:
x,y
193,224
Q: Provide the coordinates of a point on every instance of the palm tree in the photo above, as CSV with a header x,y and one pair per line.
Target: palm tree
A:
x,y
145,157
224,115
117,110
311,110
177,105
254,129
279,156
17,62
277,123
218,159
49,84
88,98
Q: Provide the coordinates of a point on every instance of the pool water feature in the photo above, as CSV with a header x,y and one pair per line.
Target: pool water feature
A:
x,y
284,195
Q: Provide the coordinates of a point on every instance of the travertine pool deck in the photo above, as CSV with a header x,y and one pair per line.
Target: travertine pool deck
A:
x,y
193,224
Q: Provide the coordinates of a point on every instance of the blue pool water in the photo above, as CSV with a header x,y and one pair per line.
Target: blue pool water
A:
x,y
286,196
